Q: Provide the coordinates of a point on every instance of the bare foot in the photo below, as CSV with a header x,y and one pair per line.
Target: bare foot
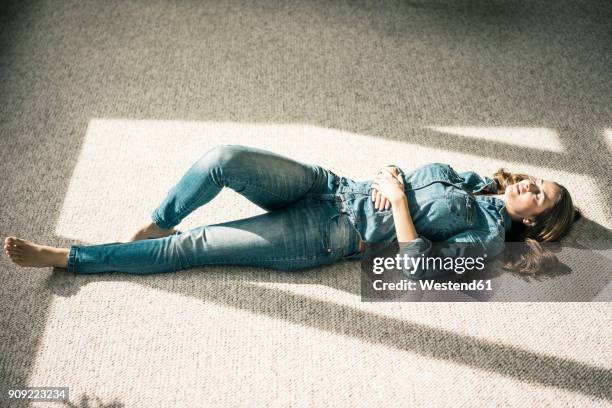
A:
x,y
26,253
148,231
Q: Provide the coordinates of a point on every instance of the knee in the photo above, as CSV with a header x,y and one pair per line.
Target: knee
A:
x,y
223,155
182,247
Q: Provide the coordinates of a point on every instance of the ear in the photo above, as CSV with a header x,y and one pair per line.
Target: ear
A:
x,y
528,222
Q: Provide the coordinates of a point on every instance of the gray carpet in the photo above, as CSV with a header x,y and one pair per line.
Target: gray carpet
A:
x,y
105,105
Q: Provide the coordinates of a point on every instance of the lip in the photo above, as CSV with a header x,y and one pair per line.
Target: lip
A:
x,y
518,188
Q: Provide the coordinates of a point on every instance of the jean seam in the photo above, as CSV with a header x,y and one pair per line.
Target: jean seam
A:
x,y
71,267
232,179
262,260
260,187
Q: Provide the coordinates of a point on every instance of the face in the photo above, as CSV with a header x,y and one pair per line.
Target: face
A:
x,y
529,198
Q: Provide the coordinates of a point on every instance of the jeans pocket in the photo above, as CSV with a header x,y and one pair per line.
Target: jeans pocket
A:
x,y
341,238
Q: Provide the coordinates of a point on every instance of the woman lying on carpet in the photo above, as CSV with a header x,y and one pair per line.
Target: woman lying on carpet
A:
x,y
315,217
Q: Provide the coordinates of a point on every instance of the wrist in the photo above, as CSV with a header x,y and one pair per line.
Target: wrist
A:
x,y
400,200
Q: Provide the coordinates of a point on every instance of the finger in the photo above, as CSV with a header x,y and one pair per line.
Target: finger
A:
x,y
388,205
383,204
374,191
378,196
377,203
381,197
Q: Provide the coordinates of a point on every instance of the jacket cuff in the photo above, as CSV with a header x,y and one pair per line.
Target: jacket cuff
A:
x,y
413,249
419,245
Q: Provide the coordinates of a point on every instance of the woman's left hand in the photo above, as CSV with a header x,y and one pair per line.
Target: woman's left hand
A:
x,y
389,185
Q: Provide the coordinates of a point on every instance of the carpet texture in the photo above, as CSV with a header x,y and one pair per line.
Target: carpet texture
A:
x,y
106,104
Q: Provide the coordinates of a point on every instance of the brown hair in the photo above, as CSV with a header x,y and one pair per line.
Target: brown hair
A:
x,y
550,226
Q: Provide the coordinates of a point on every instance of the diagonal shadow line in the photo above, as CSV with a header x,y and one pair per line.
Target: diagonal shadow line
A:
x,y
511,361
495,150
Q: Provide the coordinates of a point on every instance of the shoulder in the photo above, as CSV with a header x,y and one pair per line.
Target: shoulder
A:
x,y
435,166
435,171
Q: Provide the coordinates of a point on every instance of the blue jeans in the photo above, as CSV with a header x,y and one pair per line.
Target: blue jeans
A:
x,y
302,228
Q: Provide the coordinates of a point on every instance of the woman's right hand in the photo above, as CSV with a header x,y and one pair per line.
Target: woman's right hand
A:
x,y
380,201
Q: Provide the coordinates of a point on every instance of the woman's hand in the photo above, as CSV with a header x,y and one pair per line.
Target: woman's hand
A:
x,y
380,201
387,187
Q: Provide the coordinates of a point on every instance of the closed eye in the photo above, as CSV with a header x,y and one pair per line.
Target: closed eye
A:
x,y
541,194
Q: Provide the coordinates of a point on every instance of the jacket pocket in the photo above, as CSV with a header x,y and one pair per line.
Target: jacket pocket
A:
x,y
461,209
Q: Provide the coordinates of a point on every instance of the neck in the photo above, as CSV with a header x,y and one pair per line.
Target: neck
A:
x,y
502,198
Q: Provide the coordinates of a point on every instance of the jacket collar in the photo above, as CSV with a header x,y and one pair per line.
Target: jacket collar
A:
x,y
499,207
487,185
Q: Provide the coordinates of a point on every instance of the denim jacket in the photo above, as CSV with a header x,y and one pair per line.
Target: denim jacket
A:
x,y
443,208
